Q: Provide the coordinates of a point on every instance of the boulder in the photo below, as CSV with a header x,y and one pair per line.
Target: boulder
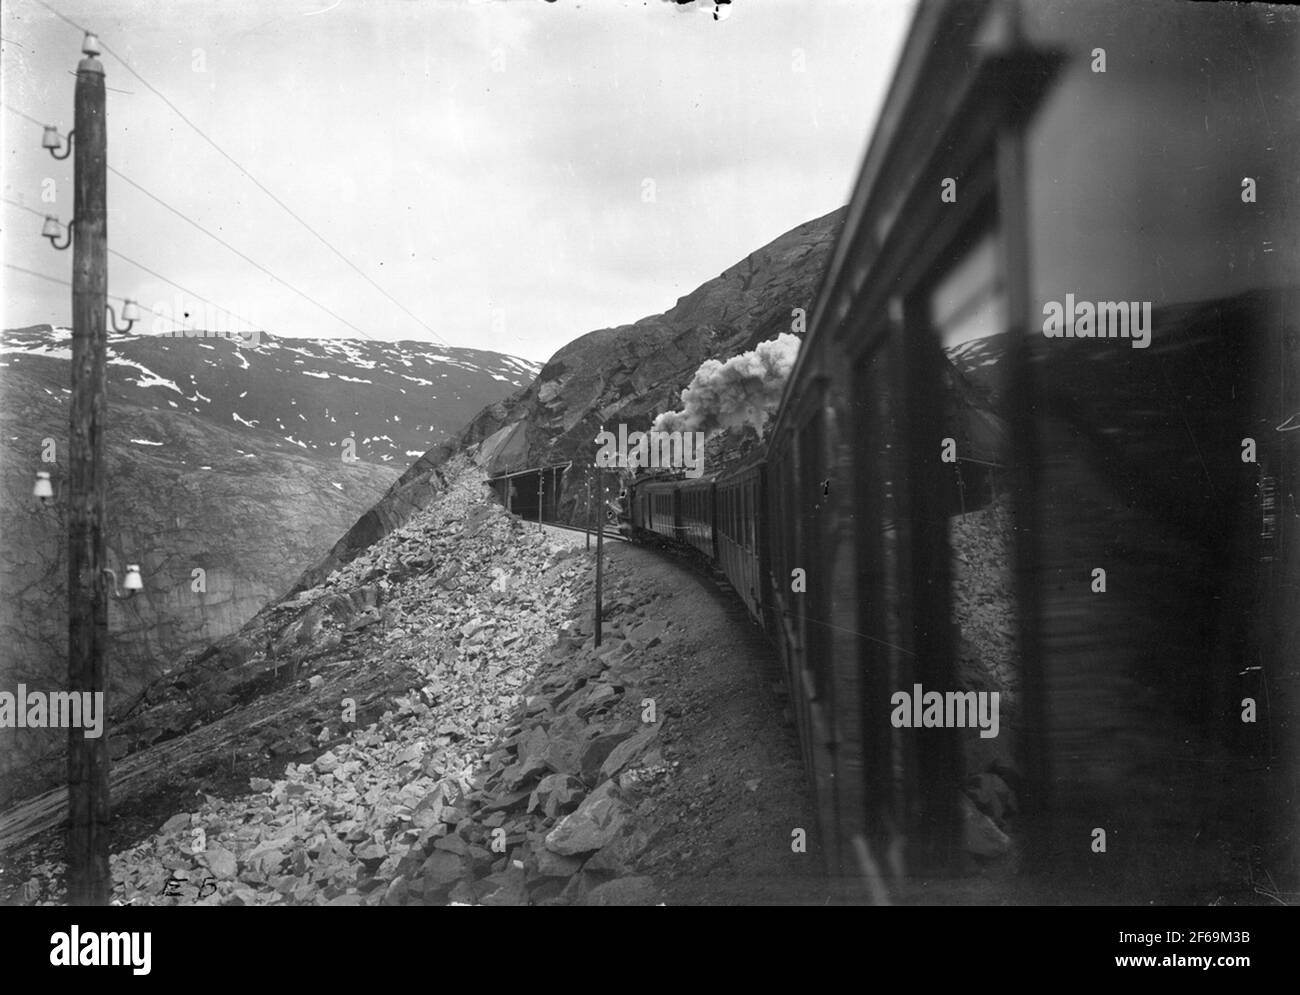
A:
x,y
556,795
439,872
554,865
220,861
627,750
599,819
619,855
596,750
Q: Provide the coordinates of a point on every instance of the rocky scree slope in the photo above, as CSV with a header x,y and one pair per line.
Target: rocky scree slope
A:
x,y
482,767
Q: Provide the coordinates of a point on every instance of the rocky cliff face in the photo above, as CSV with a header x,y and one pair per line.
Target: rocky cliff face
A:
x,y
618,375
631,373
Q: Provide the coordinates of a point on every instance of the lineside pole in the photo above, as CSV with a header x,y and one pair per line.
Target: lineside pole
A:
x,y
89,880
600,545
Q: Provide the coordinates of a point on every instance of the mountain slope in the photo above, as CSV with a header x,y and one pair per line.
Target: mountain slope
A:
x,y
225,480
629,373
626,374
394,399
183,495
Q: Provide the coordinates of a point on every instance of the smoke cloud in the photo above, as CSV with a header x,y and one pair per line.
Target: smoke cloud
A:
x,y
745,390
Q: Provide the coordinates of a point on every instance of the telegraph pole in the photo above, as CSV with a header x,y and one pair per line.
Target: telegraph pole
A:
x,y
600,544
89,882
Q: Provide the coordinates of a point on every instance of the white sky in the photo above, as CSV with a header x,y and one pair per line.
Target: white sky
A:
x,y
482,161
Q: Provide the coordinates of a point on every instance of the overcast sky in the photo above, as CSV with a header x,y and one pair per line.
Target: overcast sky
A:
x,y
486,163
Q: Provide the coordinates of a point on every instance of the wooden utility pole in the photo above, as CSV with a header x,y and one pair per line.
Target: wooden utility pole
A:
x,y
541,476
588,529
89,882
600,544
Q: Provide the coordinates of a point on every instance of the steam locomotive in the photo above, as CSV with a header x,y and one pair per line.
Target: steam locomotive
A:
x,y
1040,440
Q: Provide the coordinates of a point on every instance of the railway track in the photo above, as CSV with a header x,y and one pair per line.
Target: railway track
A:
x,y
609,533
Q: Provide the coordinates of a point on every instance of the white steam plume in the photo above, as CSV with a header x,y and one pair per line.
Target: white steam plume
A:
x,y
745,390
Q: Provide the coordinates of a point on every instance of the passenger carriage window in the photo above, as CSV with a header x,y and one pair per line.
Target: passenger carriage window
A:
x,y
753,514
792,526
963,527
969,303
742,532
749,538
880,582
776,480
749,517
812,603
774,549
966,308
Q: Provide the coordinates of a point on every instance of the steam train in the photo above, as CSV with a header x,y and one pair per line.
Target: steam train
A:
x,y
1041,440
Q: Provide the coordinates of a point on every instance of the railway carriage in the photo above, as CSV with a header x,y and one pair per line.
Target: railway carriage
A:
x,y
654,507
740,528
696,514
1041,441
678,509
1119,448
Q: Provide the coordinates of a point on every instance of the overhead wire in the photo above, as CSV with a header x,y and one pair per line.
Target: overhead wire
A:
x,y
68,283
253,179
212,235
139,265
